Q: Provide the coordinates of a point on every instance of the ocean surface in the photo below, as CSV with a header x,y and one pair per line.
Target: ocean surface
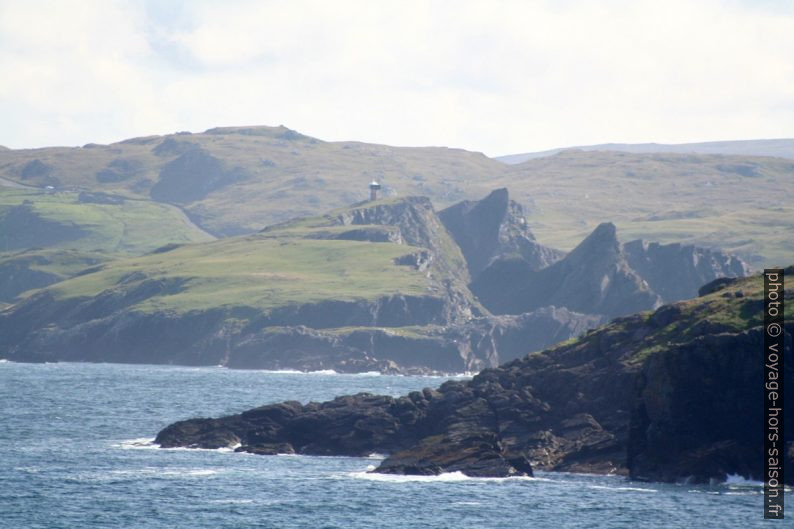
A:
x,y
76,452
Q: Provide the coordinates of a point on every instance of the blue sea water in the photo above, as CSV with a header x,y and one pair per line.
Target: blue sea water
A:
x,y
75,452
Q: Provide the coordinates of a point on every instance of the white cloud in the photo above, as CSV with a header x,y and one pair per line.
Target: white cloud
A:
x,y
493,76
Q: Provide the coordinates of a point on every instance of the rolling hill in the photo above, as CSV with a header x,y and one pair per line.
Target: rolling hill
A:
x,y
236,180
780,148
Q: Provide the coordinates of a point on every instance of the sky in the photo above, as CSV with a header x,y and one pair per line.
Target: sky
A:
x,y
498,77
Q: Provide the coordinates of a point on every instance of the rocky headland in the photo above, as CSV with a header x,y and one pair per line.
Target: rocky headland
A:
x,y
664,395
391,286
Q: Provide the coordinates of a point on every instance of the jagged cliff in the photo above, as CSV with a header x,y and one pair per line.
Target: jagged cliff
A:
x,y
376,286
664,395
492,228
603,276
379,285
695,267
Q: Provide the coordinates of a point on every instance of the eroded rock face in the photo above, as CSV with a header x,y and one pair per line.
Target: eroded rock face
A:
x,y
698,416
303,337
418,226
494,227
603,276
593,279
693,267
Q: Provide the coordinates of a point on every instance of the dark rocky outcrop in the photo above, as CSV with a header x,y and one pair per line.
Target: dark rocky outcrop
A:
x,y
593,279
699,414
192,176
38,171
603,276
418,225
693,267
669,396
494,227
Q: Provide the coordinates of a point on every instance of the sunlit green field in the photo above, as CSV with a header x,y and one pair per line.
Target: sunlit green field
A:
x,y
259,272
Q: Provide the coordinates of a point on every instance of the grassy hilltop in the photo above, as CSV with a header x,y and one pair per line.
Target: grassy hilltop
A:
x,y
236,180
257,272
737,204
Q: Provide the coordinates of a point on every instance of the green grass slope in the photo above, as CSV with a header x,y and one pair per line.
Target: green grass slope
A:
x,y
50,236
302,261
279,174
258,272
129,227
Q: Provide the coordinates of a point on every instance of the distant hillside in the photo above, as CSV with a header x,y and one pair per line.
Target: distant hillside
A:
x,y
737,204
236,180
781,148
378,285
375,286
48,236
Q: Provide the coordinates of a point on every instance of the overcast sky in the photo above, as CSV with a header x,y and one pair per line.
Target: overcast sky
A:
x,y
497,77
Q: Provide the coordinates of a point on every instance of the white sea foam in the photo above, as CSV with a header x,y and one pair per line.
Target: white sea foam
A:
x,y
621,489
440,478
297,372
375,455
399,478
147,443
170,472
141,443
194,472
736,479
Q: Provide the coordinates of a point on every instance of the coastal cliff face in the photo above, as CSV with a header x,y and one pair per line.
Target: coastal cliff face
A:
x,y
378,286
492,228
664,396
698,413
603,276
695,266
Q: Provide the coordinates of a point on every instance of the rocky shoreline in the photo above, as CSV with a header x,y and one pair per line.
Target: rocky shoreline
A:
x,y
622,399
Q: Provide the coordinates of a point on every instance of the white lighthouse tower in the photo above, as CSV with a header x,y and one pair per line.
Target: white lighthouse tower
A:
x,y
374,186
